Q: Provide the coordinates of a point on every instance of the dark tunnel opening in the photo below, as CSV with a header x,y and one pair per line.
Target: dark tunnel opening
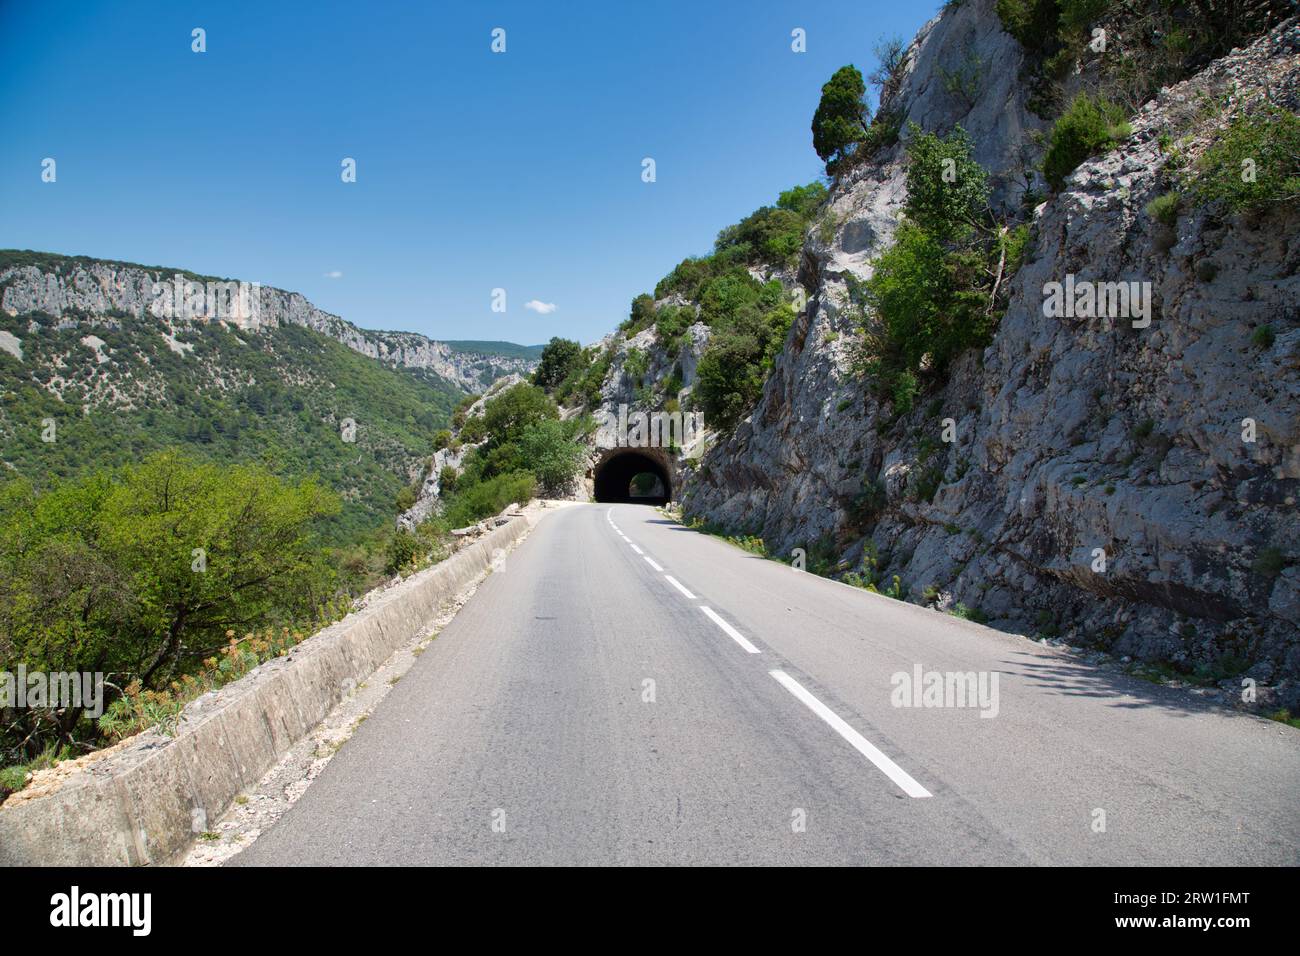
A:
x,y
633,477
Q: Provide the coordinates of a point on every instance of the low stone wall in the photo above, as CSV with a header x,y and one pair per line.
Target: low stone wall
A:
x,y
139,805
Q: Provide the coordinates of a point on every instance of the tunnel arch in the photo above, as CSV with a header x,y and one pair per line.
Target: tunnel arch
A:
x,y
613,476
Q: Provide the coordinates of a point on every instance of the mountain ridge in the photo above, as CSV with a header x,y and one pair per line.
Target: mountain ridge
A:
x,y
115,285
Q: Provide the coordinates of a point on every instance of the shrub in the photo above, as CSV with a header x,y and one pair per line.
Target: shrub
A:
x,y
490,497
447,478
671,323
1164,209
1253,163
1089,126
441,439
635,365
731,372
640,316
507,416
1263,337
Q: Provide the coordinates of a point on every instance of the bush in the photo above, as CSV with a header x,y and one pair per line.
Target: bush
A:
x,y
671,323
490,497
1252,164
507,416
1089,126
740,353
1164,209
441,439
447,479
640,316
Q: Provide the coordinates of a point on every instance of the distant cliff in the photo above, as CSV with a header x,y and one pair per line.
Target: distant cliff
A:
x,y
79,287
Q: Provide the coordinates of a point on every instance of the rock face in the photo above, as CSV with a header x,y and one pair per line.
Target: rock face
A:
x,y
99,290
1073,437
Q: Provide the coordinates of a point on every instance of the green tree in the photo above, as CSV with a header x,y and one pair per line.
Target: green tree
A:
x,y
139,572
840,122
552,453
559,358
507,416
209,548
947,190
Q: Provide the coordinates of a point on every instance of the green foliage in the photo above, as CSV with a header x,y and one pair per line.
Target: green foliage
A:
x,y
671,323
939,288
969,614
640,316
947,190
489,497
140,571
840,121
635,364
740,353
1252,164
1164,208
1263,337
559,358
1089,126
553,452
804,201
509,414
447,479
1035,23
927,310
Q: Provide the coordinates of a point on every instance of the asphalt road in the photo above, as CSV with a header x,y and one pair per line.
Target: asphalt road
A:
x,y
527,732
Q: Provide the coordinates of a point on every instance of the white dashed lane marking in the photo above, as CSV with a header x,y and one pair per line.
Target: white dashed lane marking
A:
x,y
860,743
730,631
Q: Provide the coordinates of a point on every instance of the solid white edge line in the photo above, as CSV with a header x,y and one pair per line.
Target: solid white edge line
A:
x,y
860,743
638,550
652,563
730,631
678,585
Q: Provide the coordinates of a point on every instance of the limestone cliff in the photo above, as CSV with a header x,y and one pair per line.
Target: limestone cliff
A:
x,y
1072,436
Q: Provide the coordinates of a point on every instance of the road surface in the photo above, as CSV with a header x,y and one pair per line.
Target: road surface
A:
x,y
627,691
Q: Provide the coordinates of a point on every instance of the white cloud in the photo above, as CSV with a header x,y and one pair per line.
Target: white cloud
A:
x,y
334,274
544,308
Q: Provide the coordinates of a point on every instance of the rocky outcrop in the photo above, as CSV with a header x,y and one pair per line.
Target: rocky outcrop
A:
x,y
1074,439
99,290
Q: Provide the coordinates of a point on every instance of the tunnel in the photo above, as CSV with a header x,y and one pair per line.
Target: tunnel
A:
x,y
627,475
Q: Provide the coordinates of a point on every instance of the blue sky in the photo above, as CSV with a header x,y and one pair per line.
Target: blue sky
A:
x,y
475,170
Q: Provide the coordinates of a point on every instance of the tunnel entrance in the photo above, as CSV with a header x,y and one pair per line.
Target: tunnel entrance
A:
x,y
632,476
